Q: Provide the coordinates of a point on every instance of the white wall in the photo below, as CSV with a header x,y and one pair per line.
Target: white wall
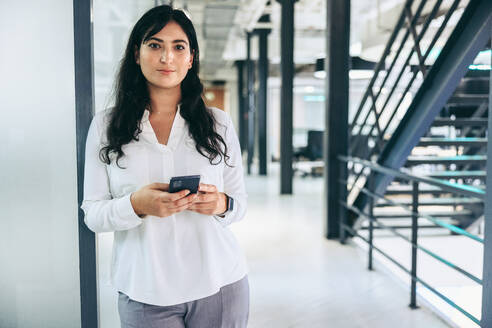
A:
x,y
39,267
308,111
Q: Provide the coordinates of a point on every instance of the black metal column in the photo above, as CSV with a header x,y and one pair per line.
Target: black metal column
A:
x,y
262,98
372,202
486,320
241,94
415,233
336,126
286,103
84,111
250,103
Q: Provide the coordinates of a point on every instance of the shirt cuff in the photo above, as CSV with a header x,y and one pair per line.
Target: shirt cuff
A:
x,y
126,212
227,219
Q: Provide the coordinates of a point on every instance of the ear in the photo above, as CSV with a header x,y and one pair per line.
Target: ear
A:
x,y
190,63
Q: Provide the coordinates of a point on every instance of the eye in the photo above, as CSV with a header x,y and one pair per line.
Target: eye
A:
x,y
154,45
180,47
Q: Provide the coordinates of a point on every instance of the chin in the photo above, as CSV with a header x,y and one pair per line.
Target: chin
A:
x,y
166,85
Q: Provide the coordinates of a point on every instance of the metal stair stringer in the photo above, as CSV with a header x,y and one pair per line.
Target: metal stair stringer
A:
x,y
470,36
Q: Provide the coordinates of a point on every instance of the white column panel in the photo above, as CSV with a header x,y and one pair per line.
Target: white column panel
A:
x,y
39,266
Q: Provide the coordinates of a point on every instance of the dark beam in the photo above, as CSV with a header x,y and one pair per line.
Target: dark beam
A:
x,y
241,94
250,103
286,102
84,111
336,126
262,98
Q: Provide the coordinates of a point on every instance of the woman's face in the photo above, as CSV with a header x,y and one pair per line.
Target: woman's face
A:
x,y
166,57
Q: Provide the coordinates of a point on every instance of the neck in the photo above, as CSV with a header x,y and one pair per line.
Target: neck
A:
x,y
164,101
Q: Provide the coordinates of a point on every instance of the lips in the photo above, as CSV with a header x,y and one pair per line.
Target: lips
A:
x,y
165,71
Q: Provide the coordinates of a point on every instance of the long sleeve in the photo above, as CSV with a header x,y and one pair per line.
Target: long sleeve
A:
x,y
234,178
102,212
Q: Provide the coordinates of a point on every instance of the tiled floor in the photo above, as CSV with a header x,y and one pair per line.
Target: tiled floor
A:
x,y
298,278
460,251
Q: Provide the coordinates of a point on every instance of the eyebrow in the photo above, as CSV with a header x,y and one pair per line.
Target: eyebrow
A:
x,y
174,41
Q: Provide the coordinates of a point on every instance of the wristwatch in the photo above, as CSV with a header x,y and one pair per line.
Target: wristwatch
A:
x,y
230,206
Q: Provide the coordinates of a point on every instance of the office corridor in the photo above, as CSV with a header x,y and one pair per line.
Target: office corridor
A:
x,y
300,279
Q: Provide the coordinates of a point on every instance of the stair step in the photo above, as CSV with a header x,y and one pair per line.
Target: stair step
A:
x,y
476,78
477,73
407,189
463,159
421,226
467,99
436,201
453,142
459,122
440,214
473,85
459,175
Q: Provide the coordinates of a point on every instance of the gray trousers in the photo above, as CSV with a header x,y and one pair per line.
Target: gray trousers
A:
x,y
229,308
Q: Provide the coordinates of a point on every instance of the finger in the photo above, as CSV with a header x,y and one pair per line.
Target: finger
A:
x,y
178,195
180,208
160,186
203,187
206,198
171,197
195,210
201,206
183,201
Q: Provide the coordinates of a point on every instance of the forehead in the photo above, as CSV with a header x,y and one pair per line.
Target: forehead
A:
x,y
172,31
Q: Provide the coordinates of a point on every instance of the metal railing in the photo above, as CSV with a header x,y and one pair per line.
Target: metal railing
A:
x,y
413,212
374,117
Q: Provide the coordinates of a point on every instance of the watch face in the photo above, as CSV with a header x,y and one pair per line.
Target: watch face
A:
x,y
230,204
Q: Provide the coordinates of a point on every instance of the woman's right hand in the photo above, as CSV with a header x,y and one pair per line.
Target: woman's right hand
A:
x,y
154,199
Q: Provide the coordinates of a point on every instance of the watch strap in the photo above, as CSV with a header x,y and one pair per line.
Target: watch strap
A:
x,y
229,204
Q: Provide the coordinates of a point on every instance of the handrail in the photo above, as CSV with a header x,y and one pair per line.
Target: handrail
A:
x,y
436,221
445,185
377,114
425,250
413,211
380,64
395,58
402,70
417,279
381,128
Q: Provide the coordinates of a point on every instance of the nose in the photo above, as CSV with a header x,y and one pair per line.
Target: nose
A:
x,y
166,56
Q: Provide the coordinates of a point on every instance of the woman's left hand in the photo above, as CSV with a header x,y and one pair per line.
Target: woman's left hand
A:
x,y
209,200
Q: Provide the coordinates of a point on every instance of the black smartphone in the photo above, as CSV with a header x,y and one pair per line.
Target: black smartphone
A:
x,y
189,182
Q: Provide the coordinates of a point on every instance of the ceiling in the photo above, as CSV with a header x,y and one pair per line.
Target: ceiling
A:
x,y
221,26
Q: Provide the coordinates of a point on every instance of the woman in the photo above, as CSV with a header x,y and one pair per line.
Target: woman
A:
x,y
175,262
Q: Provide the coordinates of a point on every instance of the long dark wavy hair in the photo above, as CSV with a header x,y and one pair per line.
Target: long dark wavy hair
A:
x,y
132,96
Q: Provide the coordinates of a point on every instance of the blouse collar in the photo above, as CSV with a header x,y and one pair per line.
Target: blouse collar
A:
x,y
177,129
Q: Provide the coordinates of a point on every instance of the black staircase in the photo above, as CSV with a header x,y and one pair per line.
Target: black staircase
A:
x,y
421,91
459,132
418,141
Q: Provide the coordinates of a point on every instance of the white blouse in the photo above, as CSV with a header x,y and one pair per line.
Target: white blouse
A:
x,y
175,259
